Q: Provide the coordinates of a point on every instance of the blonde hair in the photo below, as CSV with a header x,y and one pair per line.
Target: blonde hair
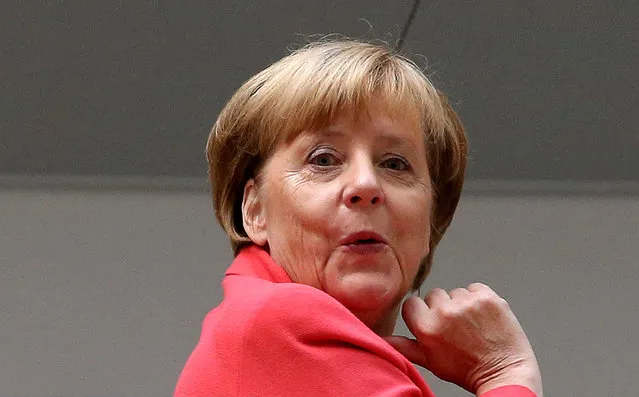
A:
x,y
306,90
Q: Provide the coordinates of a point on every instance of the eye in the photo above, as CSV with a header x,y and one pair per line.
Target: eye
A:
x,y
324,159
396,164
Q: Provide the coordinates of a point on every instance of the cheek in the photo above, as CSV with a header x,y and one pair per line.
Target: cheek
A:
x,y
299,231
413,228
298,215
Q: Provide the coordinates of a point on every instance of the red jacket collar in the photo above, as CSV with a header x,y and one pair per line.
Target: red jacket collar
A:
x,y
254,261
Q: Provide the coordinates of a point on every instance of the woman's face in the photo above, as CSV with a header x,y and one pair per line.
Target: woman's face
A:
x,y
347,210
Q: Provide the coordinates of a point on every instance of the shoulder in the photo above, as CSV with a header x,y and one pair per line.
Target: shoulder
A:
x,y
251,297
304,340
258,307
303,309
266,338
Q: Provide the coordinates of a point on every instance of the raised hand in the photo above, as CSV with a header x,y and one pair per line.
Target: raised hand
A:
x,y
469,337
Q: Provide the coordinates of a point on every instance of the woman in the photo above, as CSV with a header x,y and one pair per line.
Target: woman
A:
x,y
335,173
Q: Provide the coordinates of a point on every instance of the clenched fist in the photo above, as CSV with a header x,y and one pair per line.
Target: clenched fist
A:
x,y
469,337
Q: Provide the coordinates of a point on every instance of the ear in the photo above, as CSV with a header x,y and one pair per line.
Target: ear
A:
x,y
253,217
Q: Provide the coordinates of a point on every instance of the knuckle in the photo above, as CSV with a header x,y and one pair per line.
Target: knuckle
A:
x,y
436,291
475,306
486,299
493,302
449,313
503,303
434,295
457,291
483,301
478,286
442,312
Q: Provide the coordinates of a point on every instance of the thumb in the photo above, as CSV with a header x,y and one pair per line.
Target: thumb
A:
x,y
408,348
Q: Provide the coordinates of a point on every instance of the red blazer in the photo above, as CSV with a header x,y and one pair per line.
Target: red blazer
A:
x,y
271,337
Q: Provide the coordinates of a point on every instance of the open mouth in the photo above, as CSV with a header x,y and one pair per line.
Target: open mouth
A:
x,y
367,241
365,237
364,243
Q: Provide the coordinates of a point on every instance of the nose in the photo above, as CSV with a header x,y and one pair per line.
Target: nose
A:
x,y
363,187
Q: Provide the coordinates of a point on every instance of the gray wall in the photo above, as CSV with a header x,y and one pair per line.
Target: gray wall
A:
x,y
103,292
547,89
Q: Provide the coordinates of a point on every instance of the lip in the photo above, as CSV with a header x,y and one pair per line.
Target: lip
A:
x,y
354,238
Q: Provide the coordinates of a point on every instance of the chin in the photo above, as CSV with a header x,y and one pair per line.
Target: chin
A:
x,y
365,292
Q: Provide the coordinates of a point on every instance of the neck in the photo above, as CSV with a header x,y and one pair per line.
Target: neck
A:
x,y
382,325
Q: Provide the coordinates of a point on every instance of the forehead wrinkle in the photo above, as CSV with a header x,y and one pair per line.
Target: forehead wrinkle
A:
x,y
385,137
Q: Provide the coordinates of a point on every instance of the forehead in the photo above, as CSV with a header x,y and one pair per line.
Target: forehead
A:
x,y
391,123
384,127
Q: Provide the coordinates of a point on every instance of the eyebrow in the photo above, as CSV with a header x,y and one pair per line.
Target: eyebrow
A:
x,y
387,137
395,140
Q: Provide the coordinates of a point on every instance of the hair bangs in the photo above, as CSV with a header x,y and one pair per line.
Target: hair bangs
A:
x,y
313,86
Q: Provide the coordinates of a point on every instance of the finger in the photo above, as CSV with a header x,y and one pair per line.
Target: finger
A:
x,y
488,298
483,290
479,287
408,348
460,293
417,316
436,296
